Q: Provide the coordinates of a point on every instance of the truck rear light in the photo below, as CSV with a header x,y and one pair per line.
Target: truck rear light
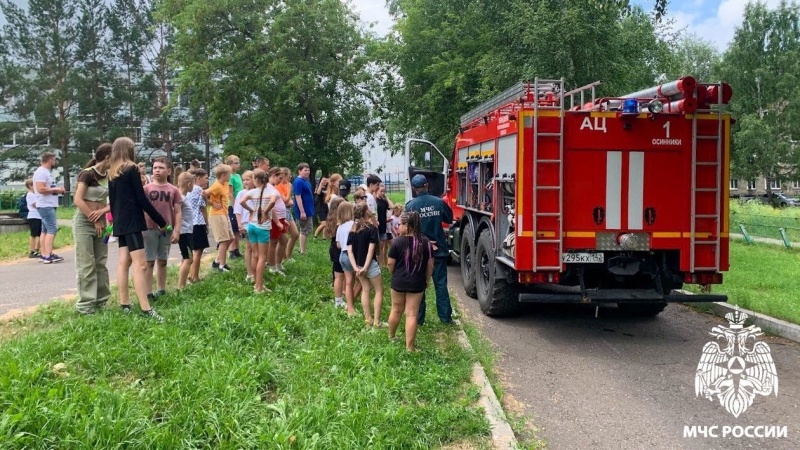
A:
x,y
538,277
702,278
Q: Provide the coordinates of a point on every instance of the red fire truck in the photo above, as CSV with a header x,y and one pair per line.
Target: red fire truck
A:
x,y
561,196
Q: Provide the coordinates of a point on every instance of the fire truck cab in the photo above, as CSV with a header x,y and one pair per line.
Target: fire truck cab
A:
x,y
560,196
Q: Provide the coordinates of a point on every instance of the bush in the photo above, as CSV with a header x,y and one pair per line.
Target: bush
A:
x,y
9,198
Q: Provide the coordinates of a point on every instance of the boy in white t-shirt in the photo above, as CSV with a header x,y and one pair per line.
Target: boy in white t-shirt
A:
x,y
34,221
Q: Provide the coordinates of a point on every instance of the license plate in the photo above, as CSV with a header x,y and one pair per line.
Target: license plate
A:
x,y
585,258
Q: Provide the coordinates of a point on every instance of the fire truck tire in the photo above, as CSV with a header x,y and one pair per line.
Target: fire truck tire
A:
x,y
642,309
496,295
467,254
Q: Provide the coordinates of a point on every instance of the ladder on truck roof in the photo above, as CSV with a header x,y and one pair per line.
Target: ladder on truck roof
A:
x,y
508,99
716,216
556,211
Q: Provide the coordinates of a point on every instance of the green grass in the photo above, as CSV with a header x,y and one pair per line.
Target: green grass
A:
x,y
397,197
15,245
764,220
230,369
65,212
763,279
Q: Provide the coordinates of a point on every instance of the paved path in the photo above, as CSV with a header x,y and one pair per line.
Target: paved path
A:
x,y
27,283
624,383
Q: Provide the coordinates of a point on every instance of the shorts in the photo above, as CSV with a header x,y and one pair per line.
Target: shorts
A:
x,y
334,255
258,235
306,226
185,244
275,233
386,236
290,215
35,226
374,269
200,237
49,222
234,223
156,245
344,261
220,227
134,241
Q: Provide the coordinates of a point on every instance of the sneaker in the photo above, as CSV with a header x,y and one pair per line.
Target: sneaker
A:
x,y
277,272
160,293
151,297
152,314
33,254
55,258
289,260
263,291
126,309
214,264
339,304
45,260
249,279
281,268
224,268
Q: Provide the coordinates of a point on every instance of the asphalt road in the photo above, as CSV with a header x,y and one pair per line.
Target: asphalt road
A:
x,y
27,283
616,382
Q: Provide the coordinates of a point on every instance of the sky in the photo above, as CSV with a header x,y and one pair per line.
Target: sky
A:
x,y
712,20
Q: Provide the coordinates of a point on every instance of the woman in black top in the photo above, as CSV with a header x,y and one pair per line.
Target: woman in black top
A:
x,y
411,265
384,206
128,205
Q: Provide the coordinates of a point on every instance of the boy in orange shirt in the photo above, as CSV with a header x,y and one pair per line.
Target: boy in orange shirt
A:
x,y
218,197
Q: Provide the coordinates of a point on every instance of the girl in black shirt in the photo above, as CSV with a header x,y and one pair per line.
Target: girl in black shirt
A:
x,y
128,206
362,249
411,265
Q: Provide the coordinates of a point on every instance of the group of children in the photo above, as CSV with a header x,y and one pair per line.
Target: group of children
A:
x,y
363,237
355,252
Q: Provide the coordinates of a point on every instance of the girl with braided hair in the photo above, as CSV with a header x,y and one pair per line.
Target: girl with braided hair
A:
x,y
259,202
411,265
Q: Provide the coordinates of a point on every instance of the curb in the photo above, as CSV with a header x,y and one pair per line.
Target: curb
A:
x,y
769,324
502,434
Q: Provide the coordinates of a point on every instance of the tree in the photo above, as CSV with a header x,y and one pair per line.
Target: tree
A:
x,y
42,44
692,55
97,111
762,68
449,55
291,79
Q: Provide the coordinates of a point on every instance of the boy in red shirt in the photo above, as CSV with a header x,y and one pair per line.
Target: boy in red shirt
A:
x,y
167,200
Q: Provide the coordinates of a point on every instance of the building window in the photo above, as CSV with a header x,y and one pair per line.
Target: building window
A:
x,y
775,185
734,185
751,185
796,184
135,134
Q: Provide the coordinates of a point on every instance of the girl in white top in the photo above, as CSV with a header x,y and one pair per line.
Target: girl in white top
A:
x,y
243,219
344,217
259,203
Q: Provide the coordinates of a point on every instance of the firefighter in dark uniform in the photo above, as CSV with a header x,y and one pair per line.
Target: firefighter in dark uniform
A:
x,y
433,212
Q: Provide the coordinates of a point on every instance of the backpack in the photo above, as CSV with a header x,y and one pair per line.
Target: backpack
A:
x,y
22,207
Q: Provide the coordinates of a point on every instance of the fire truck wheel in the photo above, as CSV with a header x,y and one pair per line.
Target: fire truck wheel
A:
x,y
467,254
496,295
642,309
